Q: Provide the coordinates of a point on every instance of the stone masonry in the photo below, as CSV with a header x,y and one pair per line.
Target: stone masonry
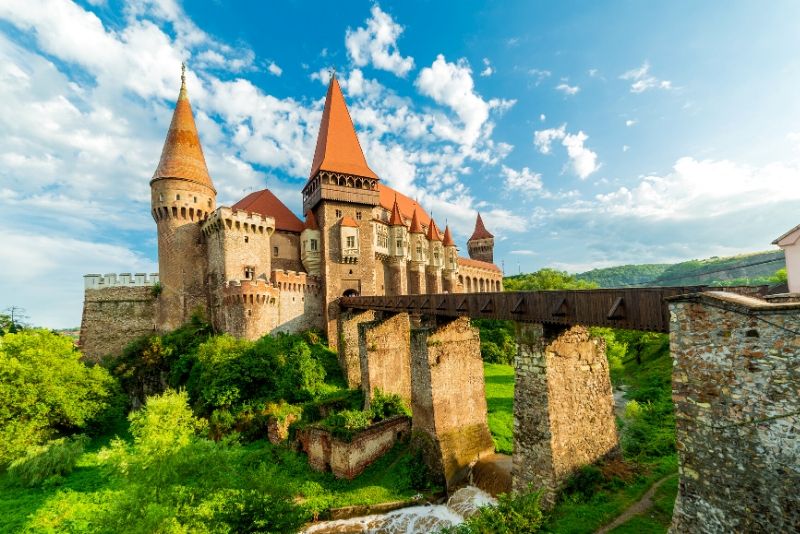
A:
x,y
349,352
448,397
386,357
736,389
563,407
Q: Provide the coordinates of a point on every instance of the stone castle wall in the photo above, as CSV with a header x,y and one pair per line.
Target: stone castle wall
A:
x,y
563,407
288,257
385,357
736,389
300,302
476,279
114,316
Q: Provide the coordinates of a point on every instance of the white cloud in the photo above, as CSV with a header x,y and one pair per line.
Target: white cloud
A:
x,y
641,79
625,148
523,252
524,181
630,122
542,117
539,75
593,72
583,160
273,68
488,70
568,89
377,44
323,75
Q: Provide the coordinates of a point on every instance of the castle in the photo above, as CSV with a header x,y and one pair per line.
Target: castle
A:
x,y
256,268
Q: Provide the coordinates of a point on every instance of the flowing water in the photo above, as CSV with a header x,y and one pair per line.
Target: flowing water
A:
x,y
416,519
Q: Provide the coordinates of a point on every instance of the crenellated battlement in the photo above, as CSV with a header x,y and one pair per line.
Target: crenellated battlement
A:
x,y
257,291
102,281
229,219
295,281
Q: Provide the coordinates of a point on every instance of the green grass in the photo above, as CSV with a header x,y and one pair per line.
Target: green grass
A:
x,y
499,380
658,518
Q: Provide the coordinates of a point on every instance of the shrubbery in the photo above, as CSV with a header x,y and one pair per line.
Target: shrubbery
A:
x,y
513,514
345,424
46,391
47,463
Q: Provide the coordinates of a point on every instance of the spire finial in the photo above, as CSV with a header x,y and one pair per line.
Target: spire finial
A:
x,y
183,73
332,72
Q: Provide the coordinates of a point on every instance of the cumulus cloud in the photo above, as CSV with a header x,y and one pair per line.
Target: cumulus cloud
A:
x,y
567,89
641,79
523,181
630,122
274,69
582,160
376,44
487,70
539,75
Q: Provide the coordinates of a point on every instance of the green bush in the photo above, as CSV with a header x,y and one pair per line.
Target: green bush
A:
x,y
253,511
345,424
513,514
47,462
46,391
383,406
498,340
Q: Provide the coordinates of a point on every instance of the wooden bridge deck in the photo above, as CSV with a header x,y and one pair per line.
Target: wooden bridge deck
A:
x,y
643,308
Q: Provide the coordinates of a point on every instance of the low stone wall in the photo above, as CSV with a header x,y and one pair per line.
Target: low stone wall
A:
x,y
736,389
350,459
563,407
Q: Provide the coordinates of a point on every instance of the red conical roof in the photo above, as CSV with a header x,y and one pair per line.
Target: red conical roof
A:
x,y
480,230
182,156
433,232
311,221
338,149
416,227
396,219
349,221
448,238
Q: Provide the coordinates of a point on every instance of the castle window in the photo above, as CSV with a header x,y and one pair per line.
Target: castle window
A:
x,y
246,239
358,215
209,202
351,241
314,245
274,251
161,197
195,200
177,197
249,272
338,213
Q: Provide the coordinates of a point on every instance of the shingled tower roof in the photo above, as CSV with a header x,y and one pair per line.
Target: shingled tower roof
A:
x,y
311,221
416,227
448,238
480,230
433,232
338,149
396,219
182,156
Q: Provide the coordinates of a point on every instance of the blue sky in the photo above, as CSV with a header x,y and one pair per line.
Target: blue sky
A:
x,y
588,134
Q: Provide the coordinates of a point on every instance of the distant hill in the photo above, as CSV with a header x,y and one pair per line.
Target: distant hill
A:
x,y
752,269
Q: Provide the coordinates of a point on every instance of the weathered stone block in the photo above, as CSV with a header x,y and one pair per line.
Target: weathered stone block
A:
x,y
349,352
385,357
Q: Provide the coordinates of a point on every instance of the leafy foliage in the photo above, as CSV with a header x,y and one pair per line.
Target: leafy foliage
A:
x,y
498,340
345,424
546,279
47,463
383,406
46,391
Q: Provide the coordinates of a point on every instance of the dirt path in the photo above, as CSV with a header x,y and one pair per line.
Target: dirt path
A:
x,y
642,505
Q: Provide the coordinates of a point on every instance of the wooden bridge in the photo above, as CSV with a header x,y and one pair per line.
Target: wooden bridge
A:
x,y
632,308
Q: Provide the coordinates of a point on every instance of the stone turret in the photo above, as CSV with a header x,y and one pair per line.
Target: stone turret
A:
x,y
310,243
182,197
398,252
418,251
435,259
450,266
481,245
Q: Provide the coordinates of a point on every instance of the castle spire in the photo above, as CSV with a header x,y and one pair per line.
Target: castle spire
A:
x,y
338,149
433,232
311,221
448,237
396,219
480,230
182,156
416,227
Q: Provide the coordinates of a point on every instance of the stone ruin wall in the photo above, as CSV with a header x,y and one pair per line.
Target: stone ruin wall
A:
x,y
115,316
348,343
385,357
563,407
736,390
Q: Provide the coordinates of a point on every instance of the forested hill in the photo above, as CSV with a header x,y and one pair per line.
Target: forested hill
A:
x,y
755,268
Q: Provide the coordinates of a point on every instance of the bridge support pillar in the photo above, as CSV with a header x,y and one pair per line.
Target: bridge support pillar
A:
x,y
448,397
563,407
735,377
385,355
416,279
348,343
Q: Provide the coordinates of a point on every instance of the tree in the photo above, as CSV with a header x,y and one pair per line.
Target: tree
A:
x,y
12,321
544,279
46,390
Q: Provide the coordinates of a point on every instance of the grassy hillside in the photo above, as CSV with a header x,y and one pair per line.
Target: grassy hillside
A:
x,y
753,269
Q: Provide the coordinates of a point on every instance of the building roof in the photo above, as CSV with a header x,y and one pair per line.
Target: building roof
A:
x,y
348,221
416,227
467,262
388,196
787,238
265,203
480,230
448,237
396,219
338,149
433,232
182,156
311,221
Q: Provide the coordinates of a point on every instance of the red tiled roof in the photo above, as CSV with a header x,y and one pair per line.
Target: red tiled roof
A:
x,y
311,221
396,219
182,156
338,149
405,204
416,227
480,230
467,262
433,232
349,221
265,203
448,238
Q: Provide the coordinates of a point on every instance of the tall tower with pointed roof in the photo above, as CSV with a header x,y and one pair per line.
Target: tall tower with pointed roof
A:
x,y
342,194
481,245
182,196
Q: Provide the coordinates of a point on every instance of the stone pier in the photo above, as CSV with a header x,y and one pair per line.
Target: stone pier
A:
x,y
736,389
385,355
348,346
448,397
563,407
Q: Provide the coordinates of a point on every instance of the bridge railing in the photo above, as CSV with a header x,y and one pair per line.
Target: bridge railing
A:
x,y
632,308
